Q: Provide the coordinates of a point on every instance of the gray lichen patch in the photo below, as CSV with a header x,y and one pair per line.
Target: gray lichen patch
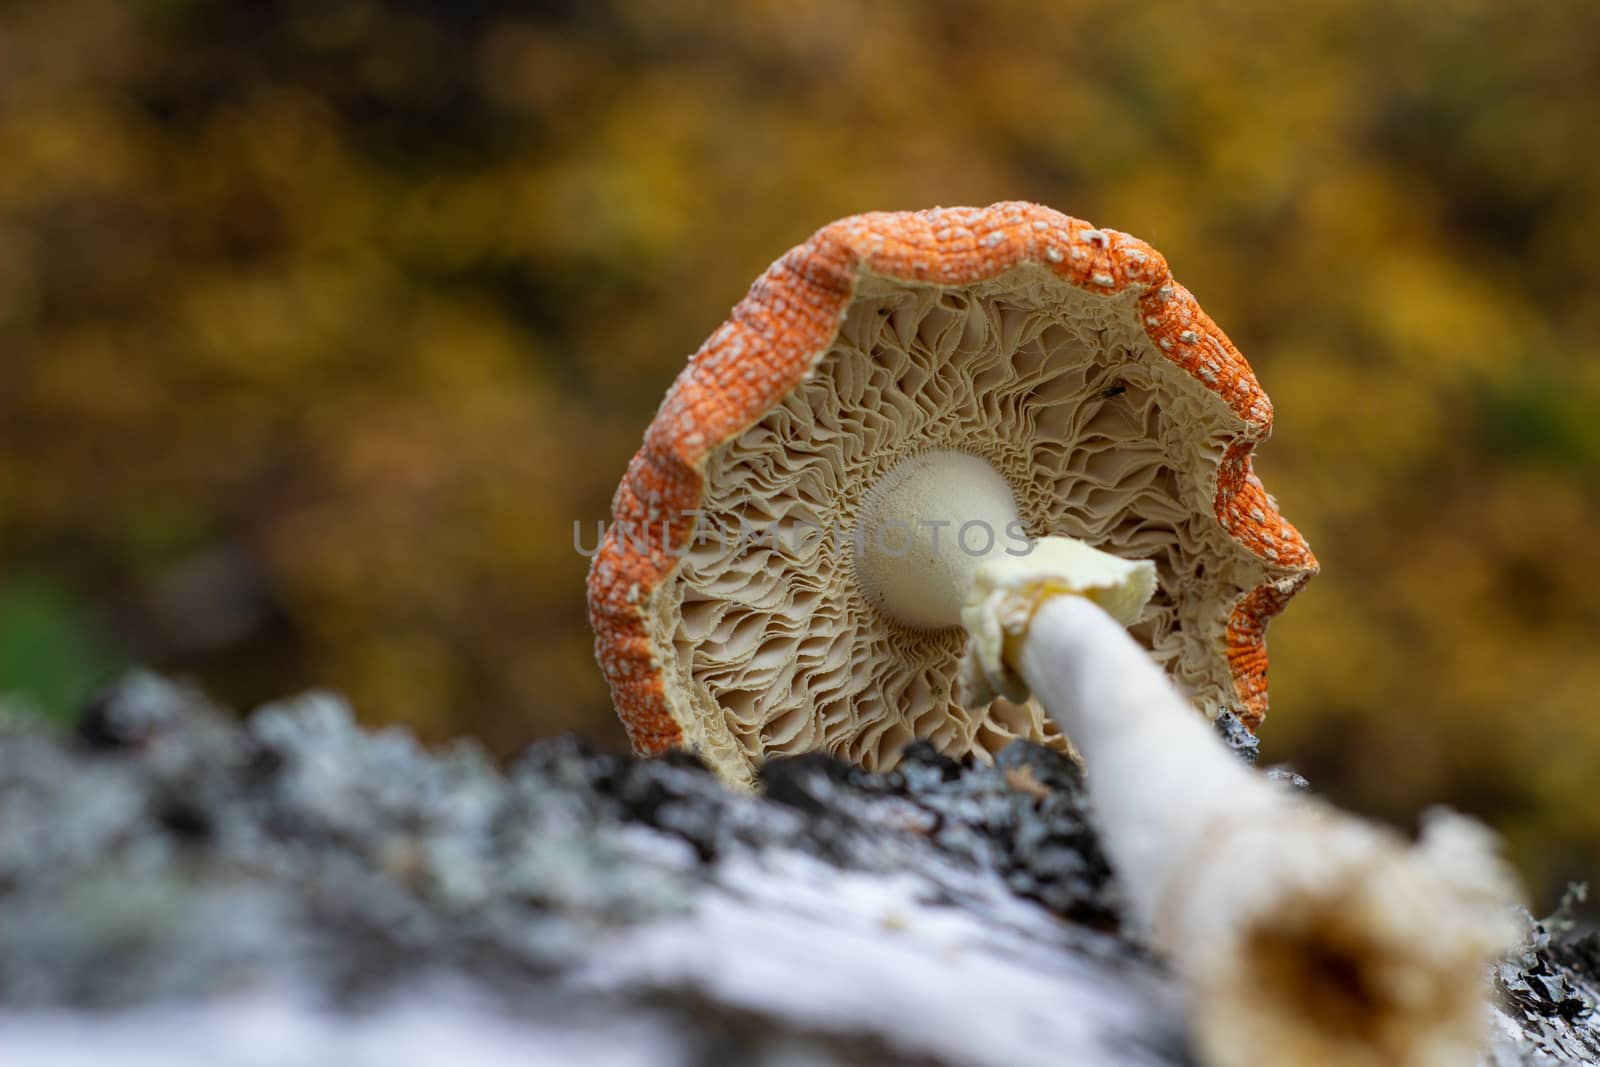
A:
x,y
1549,995
165,851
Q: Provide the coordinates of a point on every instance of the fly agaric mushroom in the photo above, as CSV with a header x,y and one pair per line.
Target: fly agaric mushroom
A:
x,y
1006,366
1012,367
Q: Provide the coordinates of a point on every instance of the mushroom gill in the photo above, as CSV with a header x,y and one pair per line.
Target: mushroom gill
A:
x,y
1101,438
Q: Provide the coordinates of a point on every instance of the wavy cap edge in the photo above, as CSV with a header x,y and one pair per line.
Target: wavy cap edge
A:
x,y
788,320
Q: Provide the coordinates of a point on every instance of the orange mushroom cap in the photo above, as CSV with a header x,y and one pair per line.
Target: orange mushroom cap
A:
x,y
1053,311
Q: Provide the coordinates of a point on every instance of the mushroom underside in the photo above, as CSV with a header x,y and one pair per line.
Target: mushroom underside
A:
x,y
771,646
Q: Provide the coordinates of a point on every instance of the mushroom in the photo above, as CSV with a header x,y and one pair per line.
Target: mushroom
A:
x,y
977,378
901,380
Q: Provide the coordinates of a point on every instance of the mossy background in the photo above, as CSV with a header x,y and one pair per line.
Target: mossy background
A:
x,y
320,324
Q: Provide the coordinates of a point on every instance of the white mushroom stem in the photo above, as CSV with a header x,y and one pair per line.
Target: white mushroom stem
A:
x,y
1305,935
1133,731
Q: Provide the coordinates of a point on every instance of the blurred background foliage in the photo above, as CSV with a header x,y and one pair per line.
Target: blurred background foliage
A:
x,y
321,322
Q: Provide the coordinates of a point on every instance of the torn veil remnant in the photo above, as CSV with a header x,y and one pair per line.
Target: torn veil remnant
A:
x,y
927,371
